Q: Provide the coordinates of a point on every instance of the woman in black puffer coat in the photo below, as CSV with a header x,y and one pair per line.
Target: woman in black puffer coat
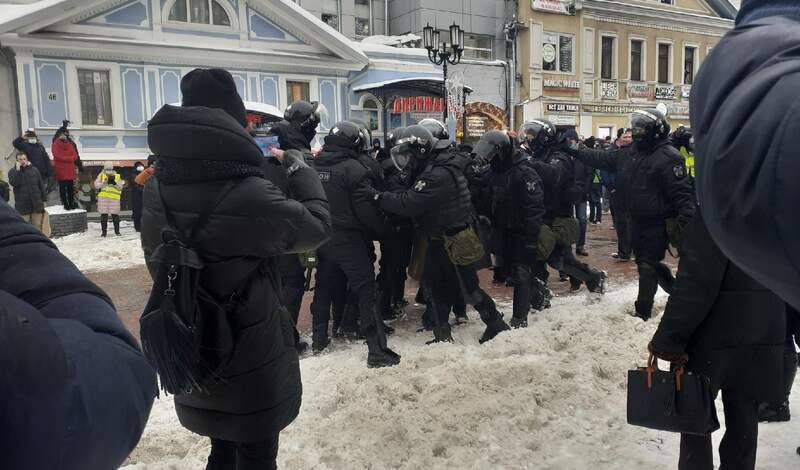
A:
x,y
733,330
201,147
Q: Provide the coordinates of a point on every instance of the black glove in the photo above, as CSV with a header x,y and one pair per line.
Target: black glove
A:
x,y
112,179
367,193
293,160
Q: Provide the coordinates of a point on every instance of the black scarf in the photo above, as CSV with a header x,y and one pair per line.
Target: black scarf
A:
x,y
180,171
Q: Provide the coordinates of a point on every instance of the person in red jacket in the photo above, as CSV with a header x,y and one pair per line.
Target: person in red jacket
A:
x,y
65,156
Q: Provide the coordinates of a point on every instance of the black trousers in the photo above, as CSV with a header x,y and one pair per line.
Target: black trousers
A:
x,y
104,223
650,247
395,257
622,226
596,203
293,281
445,282
345,262
66,191
227,455
137,196
737,450
562,259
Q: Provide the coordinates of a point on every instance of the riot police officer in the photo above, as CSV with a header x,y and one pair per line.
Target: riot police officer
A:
x,y
653,183
561,191
439,200
345,260
517,209
295,132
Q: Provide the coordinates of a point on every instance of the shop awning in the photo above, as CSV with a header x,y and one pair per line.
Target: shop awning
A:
x,y
428,84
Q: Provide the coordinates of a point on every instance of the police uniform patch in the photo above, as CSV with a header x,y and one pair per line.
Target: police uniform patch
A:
x,y
324,176
420,186
680,171
531,186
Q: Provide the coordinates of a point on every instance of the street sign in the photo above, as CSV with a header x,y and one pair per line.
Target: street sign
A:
x,y
665,92
552,6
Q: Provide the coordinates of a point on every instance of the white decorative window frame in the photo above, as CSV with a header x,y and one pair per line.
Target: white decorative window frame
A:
x,y
233,17
695,65
115,89
614,55
558,53
671,69
643,39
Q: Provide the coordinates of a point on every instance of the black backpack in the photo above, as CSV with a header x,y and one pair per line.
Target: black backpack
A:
x,y
186,334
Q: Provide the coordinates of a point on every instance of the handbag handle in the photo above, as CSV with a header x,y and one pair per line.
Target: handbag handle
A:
x,y
652,366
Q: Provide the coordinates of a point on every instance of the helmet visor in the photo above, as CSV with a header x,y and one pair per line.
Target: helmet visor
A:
x,y
402,155
641,124
485,152
322,116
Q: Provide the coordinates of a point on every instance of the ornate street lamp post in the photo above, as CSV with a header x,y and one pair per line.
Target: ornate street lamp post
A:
x,y
442,53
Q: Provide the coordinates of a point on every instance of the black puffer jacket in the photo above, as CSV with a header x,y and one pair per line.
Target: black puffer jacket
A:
x,y
653,182
732,327
37,155
746,120
262,389
343,173
29,190
439,199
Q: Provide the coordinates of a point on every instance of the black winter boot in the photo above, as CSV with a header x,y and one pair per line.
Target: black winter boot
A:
x,y
492,318
378,357
517,323
115,219
103,225
441,334
644,310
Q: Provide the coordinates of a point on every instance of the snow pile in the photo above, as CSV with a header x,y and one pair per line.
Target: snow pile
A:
x,y
91,253
59,210
406,40
551,396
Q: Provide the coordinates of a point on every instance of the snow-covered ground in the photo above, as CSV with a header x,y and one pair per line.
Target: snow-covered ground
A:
x,y
90,252
548,397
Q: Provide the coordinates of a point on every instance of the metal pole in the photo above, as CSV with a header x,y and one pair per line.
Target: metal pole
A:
x,y
444,88
463,115
385,121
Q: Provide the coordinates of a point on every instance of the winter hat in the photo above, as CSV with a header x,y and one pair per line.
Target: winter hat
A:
x,y
213,88
752,10
571,134
108,166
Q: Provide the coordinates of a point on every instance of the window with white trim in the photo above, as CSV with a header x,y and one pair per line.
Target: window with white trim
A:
x,y
637,60
209,12
363,18
607,57
95,93
371,114
558,53
476,47
331,14
689,64
664,63
296,91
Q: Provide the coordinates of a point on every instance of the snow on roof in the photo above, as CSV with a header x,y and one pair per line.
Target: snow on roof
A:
x,y
394,81
368,48
380,39
263,109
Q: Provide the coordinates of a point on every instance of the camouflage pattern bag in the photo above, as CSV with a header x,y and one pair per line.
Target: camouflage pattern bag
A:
x,y
465,247
566,230
546,243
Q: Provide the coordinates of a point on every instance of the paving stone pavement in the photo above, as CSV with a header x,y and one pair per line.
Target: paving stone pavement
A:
x,y
129,288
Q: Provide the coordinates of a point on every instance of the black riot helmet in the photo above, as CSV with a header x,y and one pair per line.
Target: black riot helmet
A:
x,y
648,126
347,135
537,134
391,137
366,134
416,143
438,131
304,115
493,145
682,137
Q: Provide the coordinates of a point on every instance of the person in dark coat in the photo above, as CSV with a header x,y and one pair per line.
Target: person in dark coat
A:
x,y
653,183
5,189
347,260
747,181
202,146
29,191
30,145
732,329
76,389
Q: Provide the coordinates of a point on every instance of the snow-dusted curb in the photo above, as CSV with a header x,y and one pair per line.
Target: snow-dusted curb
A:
x,y
551,397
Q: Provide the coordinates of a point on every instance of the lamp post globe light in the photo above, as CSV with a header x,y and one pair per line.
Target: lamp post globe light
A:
x,y
442,53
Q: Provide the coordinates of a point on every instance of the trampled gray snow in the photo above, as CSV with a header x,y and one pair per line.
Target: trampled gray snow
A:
x,y
91,253
551,396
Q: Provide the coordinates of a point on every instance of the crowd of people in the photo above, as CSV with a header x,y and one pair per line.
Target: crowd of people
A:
x,y
231,234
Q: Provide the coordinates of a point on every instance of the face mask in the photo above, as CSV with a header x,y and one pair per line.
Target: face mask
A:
x,y
140,168
33,140
573,145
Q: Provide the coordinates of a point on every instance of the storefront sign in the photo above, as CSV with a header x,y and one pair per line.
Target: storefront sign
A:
x,y
572,85
609,90
420,115
116,163
686,91
549,53
562,120
665,92
677,110
561,108
609,109
638,90
553,6
476,126
408,104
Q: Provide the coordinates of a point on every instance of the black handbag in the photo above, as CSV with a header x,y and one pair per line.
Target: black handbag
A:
x,y
676,401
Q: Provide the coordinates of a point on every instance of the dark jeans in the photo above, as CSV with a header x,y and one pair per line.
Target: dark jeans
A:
x,y
227,455
66,190
580,213
596,203
737,450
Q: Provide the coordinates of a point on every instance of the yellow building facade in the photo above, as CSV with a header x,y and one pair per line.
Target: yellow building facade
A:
x,y
588,64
